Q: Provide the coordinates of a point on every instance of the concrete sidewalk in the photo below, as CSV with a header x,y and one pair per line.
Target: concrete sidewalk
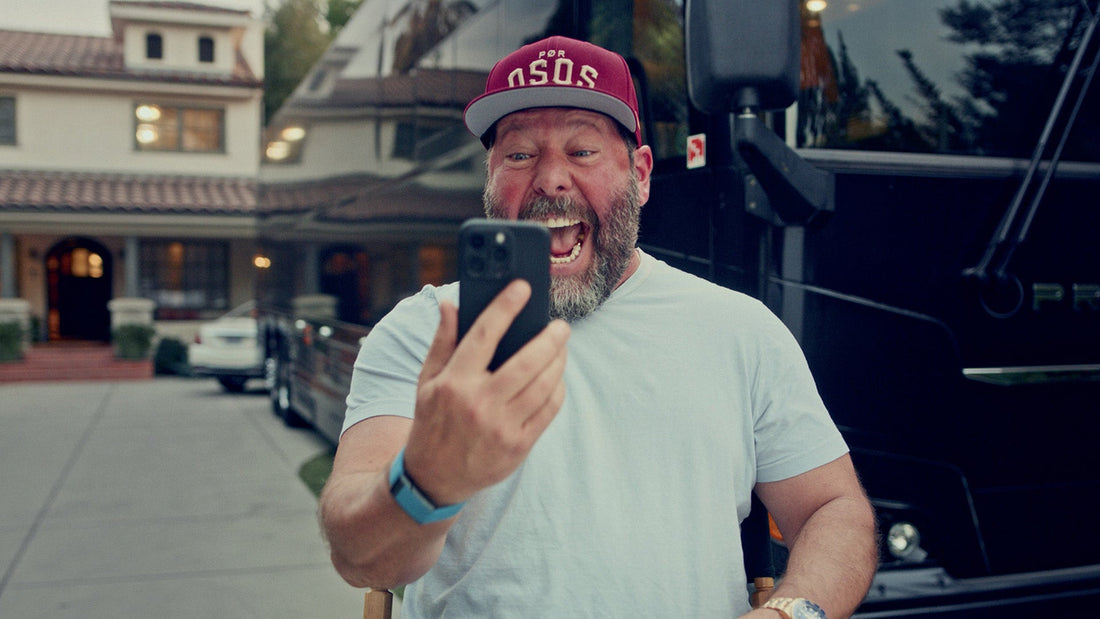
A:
x,y
163,498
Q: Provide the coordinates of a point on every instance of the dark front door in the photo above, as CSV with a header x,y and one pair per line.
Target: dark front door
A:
x,y
78,273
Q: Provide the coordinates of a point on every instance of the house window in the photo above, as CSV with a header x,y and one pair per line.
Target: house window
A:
x,y
154,46
185,278
169,128
206,49
7,120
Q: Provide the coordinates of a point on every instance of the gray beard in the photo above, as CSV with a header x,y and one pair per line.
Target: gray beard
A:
x,y
574,297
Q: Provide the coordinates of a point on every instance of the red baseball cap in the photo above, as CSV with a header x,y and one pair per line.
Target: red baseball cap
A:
x,y
557,72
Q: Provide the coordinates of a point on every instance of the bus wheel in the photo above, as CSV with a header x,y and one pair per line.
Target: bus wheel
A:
x,y
280,395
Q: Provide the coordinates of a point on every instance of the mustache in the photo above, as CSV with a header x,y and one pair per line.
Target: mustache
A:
x,y
544,207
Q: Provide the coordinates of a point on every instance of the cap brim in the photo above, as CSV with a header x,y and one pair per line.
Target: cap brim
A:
x,y
487,109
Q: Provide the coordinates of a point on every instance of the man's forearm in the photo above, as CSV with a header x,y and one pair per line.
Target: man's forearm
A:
x,y
373,542
834,557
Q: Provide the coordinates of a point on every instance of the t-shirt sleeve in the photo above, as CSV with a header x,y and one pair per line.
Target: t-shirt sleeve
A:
x,y
793,431
384,378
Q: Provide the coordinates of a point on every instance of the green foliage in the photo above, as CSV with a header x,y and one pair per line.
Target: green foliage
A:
x,y
171,357
132,341
339,12
11,341
1015,52
298,32
315,471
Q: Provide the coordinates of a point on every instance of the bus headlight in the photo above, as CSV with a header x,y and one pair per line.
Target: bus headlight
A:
x,y
903,542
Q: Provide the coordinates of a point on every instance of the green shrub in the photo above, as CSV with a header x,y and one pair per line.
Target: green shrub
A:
x,y
11,341
36,329
171,357
132,341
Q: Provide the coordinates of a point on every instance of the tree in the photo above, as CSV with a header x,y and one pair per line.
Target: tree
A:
x,y
339,12
298,33
1024,50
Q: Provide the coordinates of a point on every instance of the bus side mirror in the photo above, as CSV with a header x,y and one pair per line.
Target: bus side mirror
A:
x,y
743,54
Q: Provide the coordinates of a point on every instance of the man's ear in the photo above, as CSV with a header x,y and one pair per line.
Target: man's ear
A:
x,y
643,169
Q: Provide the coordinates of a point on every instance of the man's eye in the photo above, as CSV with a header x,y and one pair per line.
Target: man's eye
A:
x,y
582,153
519,156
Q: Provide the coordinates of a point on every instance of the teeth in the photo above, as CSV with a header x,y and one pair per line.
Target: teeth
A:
x,y
567,259
555,223
560,222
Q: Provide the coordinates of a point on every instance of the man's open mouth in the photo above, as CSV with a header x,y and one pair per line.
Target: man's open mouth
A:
x,y
566,239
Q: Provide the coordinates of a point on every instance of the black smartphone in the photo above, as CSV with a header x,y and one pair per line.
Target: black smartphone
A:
x,y
491,254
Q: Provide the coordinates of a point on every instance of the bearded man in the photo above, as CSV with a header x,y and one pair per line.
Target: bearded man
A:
x,y
605,468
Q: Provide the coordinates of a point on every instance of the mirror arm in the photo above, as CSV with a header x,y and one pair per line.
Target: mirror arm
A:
x,y
798,193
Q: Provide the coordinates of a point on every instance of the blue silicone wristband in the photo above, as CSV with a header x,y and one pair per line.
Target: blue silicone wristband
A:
x,y
412,499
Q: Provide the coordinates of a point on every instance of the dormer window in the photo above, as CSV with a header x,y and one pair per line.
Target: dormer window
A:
x,y
154,46
206,49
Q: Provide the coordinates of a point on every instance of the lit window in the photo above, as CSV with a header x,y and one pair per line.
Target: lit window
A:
x,y
206,49
166,128
202,130
293,133
277,150
154,46
85,263
287,146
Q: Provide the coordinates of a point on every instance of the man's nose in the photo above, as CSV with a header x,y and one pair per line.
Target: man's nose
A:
x,y
553,176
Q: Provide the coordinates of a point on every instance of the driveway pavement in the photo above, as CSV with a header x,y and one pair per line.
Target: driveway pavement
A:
x,y
163,498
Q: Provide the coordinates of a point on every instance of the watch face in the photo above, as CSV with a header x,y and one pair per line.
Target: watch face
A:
x,y
805,609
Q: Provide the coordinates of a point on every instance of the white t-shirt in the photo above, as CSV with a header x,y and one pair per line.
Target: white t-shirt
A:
x,y
681,395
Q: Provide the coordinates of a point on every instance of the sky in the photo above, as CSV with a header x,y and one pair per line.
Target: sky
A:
x,y
85,16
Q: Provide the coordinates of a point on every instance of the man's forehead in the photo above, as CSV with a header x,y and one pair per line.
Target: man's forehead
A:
x,y
564,117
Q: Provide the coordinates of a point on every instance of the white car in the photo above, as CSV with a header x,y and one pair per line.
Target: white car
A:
x,y
228,349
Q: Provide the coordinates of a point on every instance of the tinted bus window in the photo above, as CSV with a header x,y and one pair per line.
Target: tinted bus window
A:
x,y
941,76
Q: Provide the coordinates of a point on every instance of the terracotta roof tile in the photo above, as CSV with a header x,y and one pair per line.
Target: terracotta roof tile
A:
x,y
125,193
88,56
189,6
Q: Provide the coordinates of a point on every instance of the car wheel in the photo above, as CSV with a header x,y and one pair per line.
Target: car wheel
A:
x,y
233,384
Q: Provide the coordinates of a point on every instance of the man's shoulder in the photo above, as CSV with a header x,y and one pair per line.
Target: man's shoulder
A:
x,y
677,281
417,311
428,297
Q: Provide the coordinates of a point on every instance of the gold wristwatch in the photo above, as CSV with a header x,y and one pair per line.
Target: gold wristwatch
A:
x,y
796,608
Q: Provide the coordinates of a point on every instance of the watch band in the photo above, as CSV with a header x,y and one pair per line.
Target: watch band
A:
x,y
412,499
795,608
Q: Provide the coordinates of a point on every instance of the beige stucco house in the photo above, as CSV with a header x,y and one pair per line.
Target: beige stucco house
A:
x,y
128,167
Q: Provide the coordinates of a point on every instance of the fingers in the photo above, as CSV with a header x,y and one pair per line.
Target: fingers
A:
x,y
529,366
480,343
472,427
546,393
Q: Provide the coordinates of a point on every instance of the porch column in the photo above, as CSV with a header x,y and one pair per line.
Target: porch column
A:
x,y
7,266
311,270
133,251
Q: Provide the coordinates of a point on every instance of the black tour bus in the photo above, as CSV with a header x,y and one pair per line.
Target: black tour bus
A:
x,y
925,218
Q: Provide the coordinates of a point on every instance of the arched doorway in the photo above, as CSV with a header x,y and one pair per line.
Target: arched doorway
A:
x,y
78,280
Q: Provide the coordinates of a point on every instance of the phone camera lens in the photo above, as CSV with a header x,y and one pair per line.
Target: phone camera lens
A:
x,y
477,241
475,265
